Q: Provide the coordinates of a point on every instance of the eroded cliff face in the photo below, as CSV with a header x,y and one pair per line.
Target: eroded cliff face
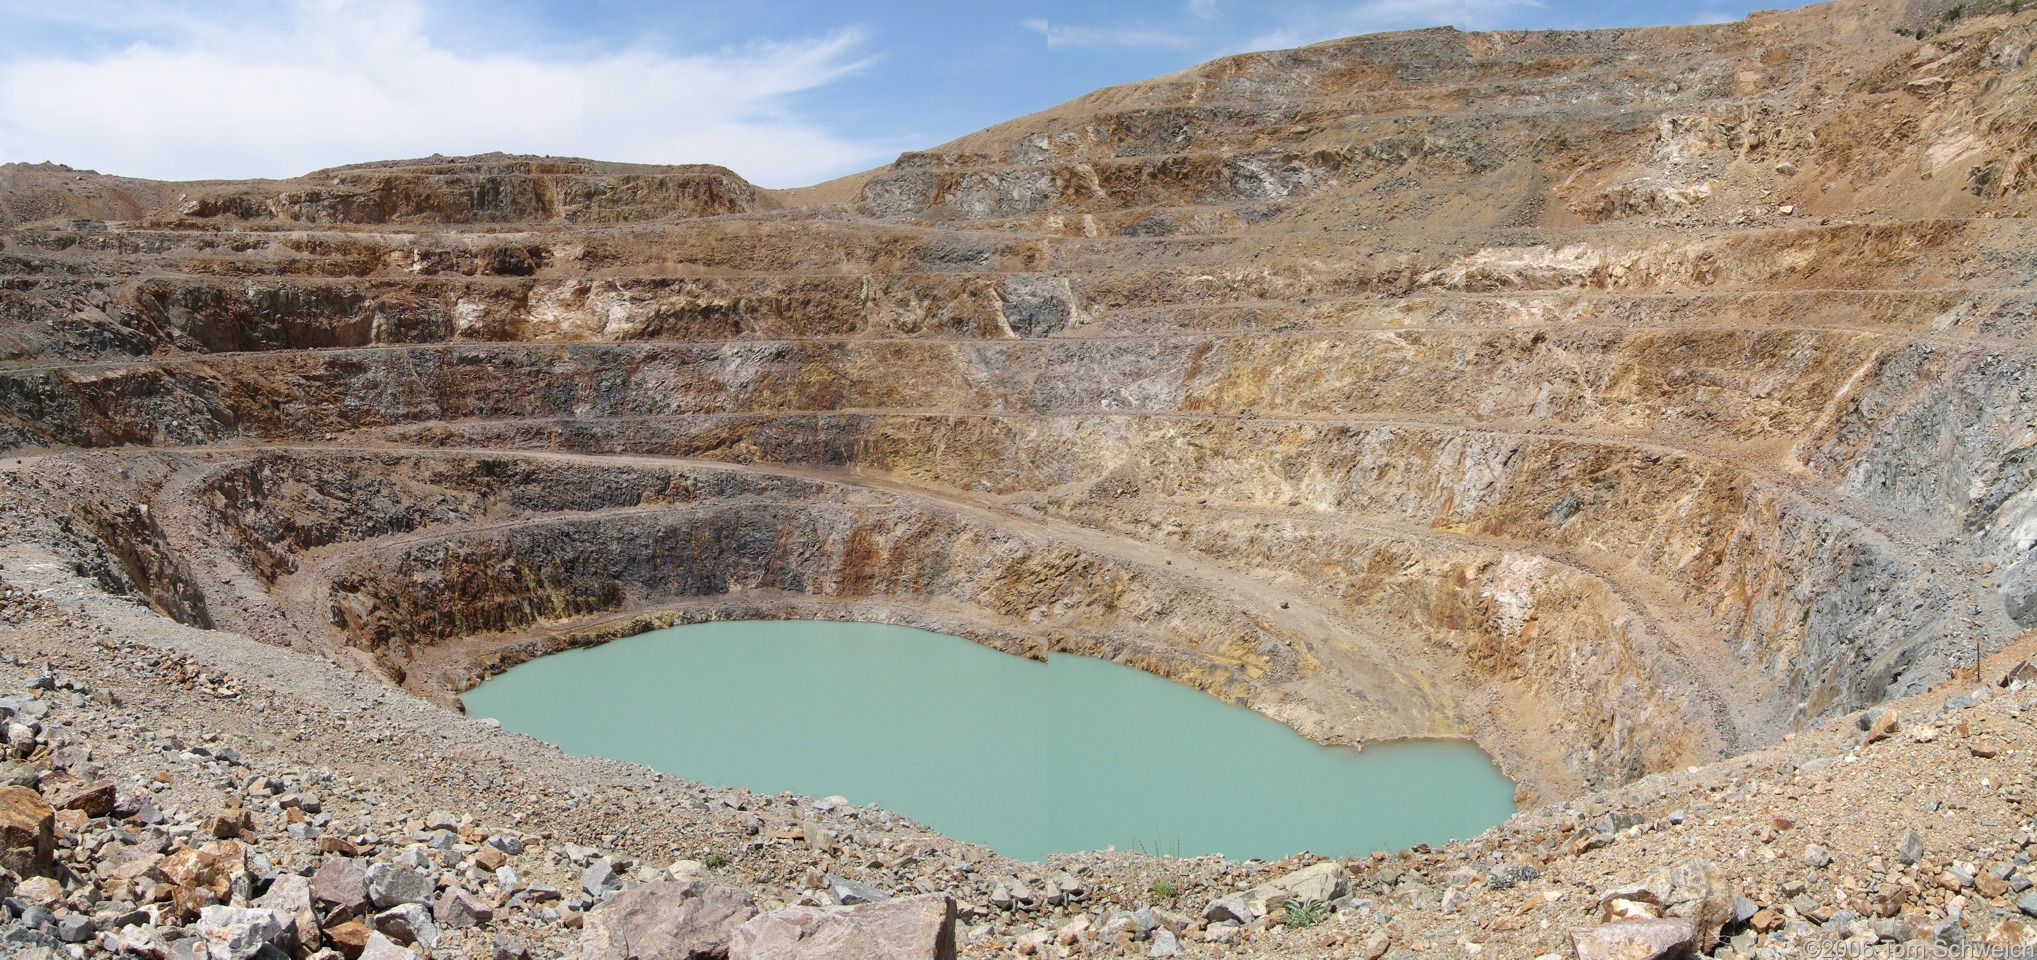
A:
x,y
1620,399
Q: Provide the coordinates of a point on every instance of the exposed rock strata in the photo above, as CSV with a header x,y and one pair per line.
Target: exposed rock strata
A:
x,y
1622,400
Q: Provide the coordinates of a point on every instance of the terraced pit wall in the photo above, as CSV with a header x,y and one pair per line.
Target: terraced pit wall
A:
x,y
1617,399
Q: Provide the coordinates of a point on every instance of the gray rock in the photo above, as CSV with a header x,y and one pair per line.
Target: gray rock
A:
x,y
73,928
600,880
665,920
907,928
1910,848
1036,306
382,948
1165,944
1744,909
1617,821
1817,856
2028,904
390,885
290,895
507,947
416,856
409,923
1502,878
142,941
1140,922
2019,591
238,933
1324,882
18,775
29,939
1232,908
848,892
457,909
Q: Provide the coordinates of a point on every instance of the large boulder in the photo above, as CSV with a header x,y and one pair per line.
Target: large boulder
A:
x,y
2019,591
457,910
409,923
600,880
1324,882
1634,939
666,920
379,947
93,799
1700,892
290,896
238,933
28,840
1696,890
907,928
340,886
390,885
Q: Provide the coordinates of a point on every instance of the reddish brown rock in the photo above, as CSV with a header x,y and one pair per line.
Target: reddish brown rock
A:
x,y
1634,940
93,799
490,859
349,938
340,888
457,910
343,847
666,920
907,928
230,823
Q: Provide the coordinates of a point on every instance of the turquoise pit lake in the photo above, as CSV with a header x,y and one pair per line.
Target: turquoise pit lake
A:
x,y
1023,757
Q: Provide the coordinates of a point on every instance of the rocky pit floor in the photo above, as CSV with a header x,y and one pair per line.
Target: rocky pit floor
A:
x,y
1913,830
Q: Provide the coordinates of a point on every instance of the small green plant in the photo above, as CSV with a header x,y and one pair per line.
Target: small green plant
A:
x,y
1163,883
1169,849
1955,13
714,860
1303,914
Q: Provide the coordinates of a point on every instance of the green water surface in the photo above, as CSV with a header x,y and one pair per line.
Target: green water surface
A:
x,y
1026,758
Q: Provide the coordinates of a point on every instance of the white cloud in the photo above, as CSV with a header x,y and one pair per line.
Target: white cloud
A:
x,y
1203,9
1065,37
1373,16
342,81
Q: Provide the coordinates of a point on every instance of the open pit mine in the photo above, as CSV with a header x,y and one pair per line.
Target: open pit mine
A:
x,y
1647,407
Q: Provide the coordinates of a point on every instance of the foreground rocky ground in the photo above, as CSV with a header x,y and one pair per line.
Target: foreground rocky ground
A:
x,y
192,781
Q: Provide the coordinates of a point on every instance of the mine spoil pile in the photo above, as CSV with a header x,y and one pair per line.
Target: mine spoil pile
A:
x,y
1645,405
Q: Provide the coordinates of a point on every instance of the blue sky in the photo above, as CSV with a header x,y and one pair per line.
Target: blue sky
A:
x,y
786,93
